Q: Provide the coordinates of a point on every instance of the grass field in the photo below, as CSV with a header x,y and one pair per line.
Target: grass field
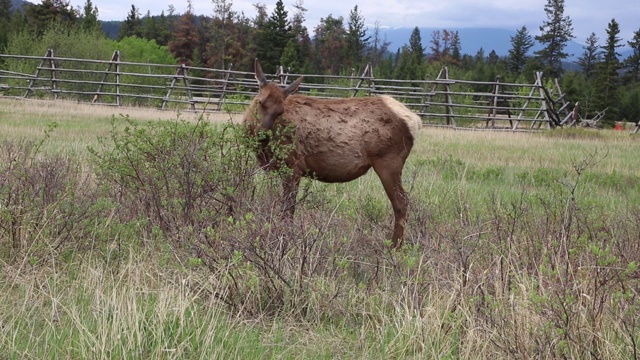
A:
x,y
518,245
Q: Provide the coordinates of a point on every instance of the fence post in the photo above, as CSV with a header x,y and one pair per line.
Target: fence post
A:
x,y
118,80
115,57
367,73
447,94
181,72
284,77
525,106
498,101
493,111
543,107
47,55
224,87
54,82
443,75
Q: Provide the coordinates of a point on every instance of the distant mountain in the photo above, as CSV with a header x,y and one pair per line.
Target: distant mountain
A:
x,y
473,39
111,28
18,4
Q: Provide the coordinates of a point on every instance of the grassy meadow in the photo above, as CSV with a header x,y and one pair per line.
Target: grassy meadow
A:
x,y
134,233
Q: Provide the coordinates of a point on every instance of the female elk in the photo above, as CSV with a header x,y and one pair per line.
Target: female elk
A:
x,y
334,140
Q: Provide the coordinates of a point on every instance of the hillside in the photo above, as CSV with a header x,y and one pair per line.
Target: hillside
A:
x,y
472,39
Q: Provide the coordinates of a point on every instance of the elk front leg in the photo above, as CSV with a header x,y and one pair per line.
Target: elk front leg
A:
x,y
290,187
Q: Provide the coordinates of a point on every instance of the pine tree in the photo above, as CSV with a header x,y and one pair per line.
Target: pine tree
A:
x,y
632,63
40,16
357,39
456,48
150,26
186,38
330,42
5,21
297,52
521,43
555,33
274,37
606,74
493,59
221,30
163,35
90,16
132,25
591,55
415,46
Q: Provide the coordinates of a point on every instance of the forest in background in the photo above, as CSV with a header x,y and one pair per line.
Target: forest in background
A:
x,y
600,78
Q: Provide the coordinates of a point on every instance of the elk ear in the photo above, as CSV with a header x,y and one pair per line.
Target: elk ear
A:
x,y
293,87
262,80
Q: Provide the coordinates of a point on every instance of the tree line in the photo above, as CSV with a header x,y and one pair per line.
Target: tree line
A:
x,y
336,45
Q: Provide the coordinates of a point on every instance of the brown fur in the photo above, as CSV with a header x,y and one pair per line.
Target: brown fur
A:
x,y
336,140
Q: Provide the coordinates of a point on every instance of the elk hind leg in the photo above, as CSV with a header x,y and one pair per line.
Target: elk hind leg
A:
x,y
390,174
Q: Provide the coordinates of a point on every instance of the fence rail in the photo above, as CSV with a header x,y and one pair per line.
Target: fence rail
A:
x,y
440,101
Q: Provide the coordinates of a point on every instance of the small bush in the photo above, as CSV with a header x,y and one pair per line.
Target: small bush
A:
x,y
46,202
182,177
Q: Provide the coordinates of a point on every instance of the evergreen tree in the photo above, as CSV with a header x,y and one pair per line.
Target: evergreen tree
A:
x,y
186,40
230,39
555,33
415,46
163,35
479,72
591,55
330,42
150,26
296,55
290,59
357,39
90,16
5,21
40,16
274,38
241,48
456,48
493,59
521,43
222,35
479,59
406,67
630,104
607,80
632,63
132,25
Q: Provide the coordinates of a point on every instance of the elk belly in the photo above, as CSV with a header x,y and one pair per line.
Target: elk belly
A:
x,y
335,167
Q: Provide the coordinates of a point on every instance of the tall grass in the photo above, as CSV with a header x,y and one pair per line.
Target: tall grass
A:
x,y
517,246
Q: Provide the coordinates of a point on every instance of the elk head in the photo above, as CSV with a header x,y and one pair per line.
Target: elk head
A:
x,y
270,99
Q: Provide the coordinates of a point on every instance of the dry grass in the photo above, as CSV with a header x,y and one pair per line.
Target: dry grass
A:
x,y
20,118
509,254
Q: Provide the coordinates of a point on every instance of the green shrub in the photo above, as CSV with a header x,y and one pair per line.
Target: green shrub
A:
x,y
183,177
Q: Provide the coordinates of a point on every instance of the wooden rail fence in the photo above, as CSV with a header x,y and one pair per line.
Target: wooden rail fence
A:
x,y
441,101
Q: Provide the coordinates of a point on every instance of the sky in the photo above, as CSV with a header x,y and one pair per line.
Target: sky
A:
x,y
588,16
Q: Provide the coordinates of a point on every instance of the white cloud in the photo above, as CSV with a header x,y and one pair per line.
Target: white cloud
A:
x,y
587,15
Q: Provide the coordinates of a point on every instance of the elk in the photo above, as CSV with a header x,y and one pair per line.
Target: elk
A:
x,y
333,140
